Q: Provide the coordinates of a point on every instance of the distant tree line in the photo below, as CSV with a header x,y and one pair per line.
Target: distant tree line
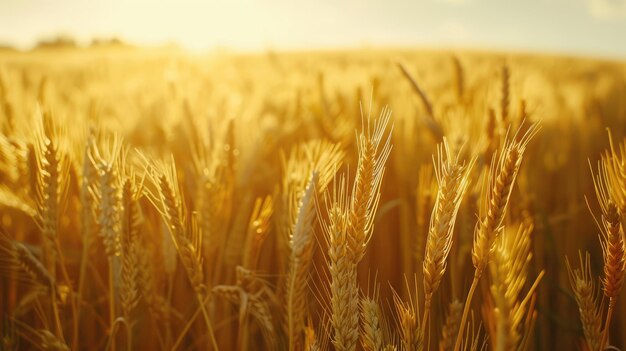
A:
x,y
64,41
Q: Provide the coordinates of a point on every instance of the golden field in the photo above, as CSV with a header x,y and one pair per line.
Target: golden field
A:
x,y
370,199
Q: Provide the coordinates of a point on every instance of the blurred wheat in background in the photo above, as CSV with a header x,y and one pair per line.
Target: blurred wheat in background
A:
x,y
349,200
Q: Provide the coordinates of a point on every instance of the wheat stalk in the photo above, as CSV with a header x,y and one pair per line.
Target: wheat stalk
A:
x,y
188,242
156,304
432,124
252,304
499,188
612,242
107,162
321,159
351,219
424,203
87,220
51,186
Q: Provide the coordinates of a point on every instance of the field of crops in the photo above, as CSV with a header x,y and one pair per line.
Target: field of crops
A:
x,y
357,200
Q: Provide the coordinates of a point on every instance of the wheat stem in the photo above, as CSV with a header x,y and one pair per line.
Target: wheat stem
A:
x,y
607,324
468,302
207,320
67,279
111,303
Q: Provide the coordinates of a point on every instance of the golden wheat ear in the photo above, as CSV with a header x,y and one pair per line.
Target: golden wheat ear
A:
x,y
51,186
166,196
42,338
366,194
375,333
453,179
106,157
16,257
586,294
301,243
408,321
371,330
129,239
252,304
451,325
499,189
308,170
502,176
350,226
342,269
612,171
258,230
509,270
611,239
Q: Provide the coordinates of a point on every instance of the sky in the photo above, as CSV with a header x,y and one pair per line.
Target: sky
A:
x,y
583,27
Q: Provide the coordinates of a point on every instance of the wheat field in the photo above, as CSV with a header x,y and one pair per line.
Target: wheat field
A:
x,y
340,200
